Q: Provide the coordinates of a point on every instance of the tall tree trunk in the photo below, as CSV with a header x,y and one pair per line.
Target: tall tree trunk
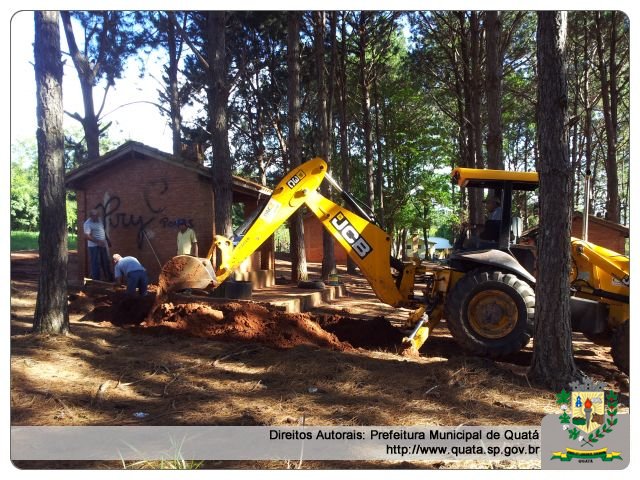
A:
x,y
333,29
344,139
525,215
403,245
588,132
575,166
609,110
476,87
296,227
218,93
344,135
474,200
258,135
494,91
552,362
613,199
174,91
380,157
51,314
328,254
365,101
86,76
476,101
462,138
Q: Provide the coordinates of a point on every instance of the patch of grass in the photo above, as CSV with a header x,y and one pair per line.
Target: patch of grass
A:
x,y
29,241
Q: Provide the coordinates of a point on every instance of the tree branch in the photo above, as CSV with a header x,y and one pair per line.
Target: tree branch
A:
x,y
75,116
186,38
163,109
104,99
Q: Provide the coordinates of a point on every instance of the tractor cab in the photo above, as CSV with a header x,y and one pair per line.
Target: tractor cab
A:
x,y
501,233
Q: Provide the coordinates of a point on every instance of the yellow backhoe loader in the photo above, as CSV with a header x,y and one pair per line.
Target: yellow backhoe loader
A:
x,y
485,290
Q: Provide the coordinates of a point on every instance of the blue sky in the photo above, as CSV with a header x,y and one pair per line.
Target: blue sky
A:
x,y
140,122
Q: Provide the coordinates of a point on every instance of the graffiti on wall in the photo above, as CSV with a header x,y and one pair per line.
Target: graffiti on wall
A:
x,y
166,222
114,216
150,190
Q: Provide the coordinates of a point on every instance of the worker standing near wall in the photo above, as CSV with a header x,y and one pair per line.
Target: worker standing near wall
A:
x,y
97,246
131,271
187,241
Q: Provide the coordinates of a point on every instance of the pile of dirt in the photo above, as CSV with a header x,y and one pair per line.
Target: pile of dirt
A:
x,y
247,322
377,333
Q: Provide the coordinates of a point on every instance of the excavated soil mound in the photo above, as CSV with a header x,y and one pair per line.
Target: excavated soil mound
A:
x,y
248,322
371,334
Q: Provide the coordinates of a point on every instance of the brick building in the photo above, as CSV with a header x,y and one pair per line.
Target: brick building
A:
x,y
140,192
605,233
313,231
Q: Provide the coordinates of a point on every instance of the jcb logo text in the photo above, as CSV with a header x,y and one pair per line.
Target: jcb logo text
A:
x,y
351,235
293,181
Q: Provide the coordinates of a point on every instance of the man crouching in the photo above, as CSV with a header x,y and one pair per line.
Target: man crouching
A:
x,y
131,270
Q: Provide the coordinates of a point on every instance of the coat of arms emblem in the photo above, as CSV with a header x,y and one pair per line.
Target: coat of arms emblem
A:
x,y
588,415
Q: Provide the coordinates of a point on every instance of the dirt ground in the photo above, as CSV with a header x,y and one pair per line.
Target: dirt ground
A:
x,y
239,364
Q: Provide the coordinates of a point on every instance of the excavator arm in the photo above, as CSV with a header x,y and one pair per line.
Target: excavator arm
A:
x,y
287,197
367,244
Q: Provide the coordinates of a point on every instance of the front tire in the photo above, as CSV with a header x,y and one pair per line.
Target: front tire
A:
x,y
490,313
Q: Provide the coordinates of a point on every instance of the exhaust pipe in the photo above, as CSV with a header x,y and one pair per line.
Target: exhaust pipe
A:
x,y
585,210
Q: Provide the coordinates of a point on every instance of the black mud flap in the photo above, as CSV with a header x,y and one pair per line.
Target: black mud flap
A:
x,y
492,258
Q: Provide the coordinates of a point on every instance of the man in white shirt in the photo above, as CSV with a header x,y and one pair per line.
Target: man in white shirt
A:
x,y
494,208
491,230
97,246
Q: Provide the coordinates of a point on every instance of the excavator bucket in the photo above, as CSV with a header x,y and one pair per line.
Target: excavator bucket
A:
x,y
185,272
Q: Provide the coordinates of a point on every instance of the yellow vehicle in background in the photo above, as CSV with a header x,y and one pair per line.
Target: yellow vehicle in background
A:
x,y
485,290
599,279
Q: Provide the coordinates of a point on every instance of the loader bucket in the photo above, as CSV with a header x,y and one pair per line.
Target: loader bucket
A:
x,y
185,272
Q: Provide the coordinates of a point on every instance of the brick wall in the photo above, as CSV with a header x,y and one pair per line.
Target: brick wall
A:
x,y
600,234
313,242
137,195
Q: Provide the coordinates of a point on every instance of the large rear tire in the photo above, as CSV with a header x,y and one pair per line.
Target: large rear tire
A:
x,y
490,313
620,347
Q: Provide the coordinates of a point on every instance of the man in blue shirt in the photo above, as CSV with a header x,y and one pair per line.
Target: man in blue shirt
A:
x,y
131,270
